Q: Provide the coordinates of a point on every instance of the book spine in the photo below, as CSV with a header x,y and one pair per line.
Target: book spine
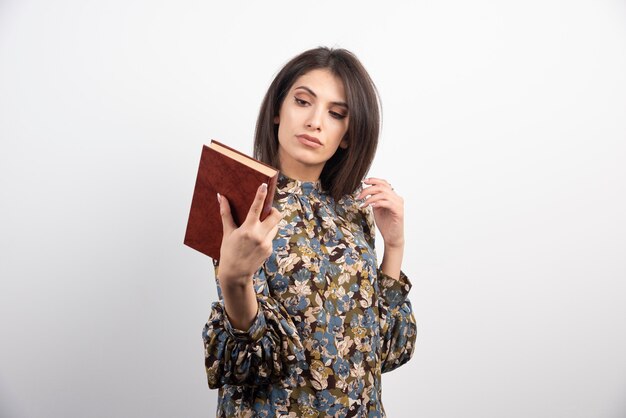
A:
x,y
269,198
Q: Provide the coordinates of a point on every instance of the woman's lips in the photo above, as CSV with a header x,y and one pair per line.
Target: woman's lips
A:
x,y
309,141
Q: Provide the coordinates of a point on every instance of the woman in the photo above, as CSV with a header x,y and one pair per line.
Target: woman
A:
x,y
306,321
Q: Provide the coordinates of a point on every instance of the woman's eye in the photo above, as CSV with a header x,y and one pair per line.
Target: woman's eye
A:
x,y
337,115
300,101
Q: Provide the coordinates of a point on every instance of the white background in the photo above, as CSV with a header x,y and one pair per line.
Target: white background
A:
x,y
504,130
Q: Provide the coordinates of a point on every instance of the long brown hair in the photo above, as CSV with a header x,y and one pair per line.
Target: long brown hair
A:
x,y
344,171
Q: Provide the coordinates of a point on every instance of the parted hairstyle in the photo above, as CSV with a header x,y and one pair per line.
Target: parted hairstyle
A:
x,y
344,171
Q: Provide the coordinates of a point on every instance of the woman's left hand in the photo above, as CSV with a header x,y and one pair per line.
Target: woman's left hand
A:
x,y
388,210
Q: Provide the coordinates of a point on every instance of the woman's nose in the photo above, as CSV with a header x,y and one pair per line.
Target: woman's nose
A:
x,y
315,120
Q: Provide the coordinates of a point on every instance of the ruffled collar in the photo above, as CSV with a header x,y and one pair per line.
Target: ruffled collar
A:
x,y
288,185
313,202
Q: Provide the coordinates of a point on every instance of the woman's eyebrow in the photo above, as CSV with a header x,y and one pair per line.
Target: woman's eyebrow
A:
x,y
312,93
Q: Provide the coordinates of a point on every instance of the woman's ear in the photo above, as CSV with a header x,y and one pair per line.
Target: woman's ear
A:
x,y
276,120
344,143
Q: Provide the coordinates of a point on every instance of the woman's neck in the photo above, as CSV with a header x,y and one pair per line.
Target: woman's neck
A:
x,y
302,173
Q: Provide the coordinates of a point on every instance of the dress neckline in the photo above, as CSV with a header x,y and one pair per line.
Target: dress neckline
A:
x,y
290,185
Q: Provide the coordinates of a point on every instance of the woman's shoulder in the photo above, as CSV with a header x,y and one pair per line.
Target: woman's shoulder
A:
x,y
349,207
349,202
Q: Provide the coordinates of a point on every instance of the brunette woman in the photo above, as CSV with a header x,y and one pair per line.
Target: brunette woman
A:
x,y
307,320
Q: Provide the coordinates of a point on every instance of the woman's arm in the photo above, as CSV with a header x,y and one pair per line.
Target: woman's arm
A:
x,y
239,298
392,260
268,350
388,211
249,338
398,329
243,251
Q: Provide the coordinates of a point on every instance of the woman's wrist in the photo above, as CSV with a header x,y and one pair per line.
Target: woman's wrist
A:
x,y
234,282
392,260
229,278
397,245
240,303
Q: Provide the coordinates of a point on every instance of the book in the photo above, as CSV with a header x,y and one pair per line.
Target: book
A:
x,y
233,175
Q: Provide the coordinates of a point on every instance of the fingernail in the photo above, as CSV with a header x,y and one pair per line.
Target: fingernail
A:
x,y
219,199
264,186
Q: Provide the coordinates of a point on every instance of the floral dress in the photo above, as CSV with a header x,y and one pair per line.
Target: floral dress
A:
x,y
329,320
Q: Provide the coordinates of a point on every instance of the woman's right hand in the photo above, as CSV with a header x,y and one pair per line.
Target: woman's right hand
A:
x,y
245,249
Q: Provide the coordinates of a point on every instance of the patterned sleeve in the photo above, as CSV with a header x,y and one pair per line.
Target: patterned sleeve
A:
x,y
267,352
398,329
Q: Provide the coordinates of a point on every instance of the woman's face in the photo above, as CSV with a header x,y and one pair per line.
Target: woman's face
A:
x,y
312,122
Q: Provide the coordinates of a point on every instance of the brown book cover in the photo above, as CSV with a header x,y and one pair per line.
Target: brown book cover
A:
x,y
234,175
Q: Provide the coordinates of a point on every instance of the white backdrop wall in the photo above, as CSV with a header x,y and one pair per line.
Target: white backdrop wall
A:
x,y
504,130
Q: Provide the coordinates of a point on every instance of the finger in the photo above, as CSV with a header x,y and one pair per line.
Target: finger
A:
x,y
257,204
368,191
272,232
382,204
373,190
272,220
376,181
274,217
269,239
228,224
372,201
382,197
